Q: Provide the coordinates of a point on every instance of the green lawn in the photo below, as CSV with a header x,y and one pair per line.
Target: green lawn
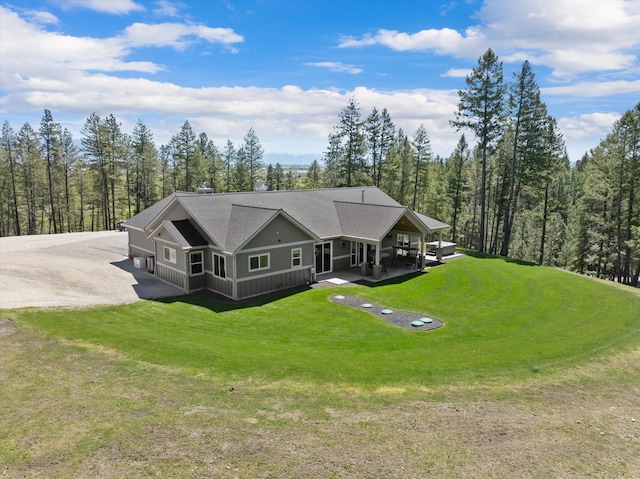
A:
x,y
504,321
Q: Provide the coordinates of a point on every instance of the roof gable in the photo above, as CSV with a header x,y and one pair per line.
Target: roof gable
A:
x,y
356,219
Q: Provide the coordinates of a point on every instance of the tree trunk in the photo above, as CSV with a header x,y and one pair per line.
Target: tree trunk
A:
x,y
544,222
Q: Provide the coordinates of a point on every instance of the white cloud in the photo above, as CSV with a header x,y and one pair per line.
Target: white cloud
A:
x,y
457,73
41,17
595,89
167,9
115,7
442,41
176,35
336,67
583,132
569,36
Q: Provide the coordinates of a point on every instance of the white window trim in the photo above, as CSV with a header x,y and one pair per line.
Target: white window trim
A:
x,y
201,263
172,254
218,257
294,258
268,255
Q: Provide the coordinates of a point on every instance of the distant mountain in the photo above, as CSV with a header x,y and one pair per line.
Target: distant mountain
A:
x,y
304,159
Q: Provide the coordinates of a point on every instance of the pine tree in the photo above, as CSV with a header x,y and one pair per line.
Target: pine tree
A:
x,y
8,147
422,157
50,145
455,167
253,154
481,109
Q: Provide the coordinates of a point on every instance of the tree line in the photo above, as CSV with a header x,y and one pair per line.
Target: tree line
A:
x,y
512,192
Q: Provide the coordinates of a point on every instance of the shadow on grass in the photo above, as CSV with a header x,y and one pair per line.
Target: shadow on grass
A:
x,y
219,304
386,282
478,255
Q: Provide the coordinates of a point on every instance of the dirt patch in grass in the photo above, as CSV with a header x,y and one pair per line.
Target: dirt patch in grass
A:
x,y
78,411
7,327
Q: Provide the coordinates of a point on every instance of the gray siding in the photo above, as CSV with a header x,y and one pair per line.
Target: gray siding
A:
x,y
275,282
280,230
218,285
171,276
279,259
139,245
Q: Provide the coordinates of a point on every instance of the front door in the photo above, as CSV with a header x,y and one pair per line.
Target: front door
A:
x,y
323,257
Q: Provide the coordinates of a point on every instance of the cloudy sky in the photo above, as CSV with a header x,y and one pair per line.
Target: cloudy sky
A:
x,y
287,67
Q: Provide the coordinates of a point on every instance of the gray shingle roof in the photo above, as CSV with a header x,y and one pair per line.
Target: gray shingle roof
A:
x,y
231,219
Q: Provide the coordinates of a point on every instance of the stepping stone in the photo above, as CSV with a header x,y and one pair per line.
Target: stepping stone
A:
x,y
426,320
367,305
338,297
417,323
387,311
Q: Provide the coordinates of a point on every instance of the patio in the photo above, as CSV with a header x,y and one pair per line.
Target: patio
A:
x,y
398,268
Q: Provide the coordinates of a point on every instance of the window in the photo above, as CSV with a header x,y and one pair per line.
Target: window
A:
x,y
259,262
296,257
218,266
170,254
403,240
195,260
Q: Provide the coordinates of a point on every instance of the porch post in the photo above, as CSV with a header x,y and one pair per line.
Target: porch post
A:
x,y
365,259
377,268
422,252
439,254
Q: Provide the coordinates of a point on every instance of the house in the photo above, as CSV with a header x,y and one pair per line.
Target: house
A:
x,y
246,244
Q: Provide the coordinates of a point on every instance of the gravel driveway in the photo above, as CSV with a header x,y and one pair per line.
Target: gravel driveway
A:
x,y
73,269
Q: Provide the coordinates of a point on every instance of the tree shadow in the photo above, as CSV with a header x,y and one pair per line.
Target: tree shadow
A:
x,y
506,259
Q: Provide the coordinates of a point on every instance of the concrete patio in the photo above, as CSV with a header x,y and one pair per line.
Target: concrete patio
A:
x,y
396,270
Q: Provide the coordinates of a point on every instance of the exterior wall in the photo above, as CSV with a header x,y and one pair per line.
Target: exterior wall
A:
x,y
139,245
342,264
341,254
171,275
277,239
170,272
279,259
197,281
274,282
279,231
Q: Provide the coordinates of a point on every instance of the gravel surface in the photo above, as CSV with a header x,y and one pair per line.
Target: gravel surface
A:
x,y
73,269
403,319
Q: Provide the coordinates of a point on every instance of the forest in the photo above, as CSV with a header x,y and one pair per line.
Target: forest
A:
x,y
508,187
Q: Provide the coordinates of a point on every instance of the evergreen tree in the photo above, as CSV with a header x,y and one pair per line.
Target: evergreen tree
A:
x,y
481,109
50,145
253,154
352,161
314,175
422,156
455,167
8,148
228,160
188,166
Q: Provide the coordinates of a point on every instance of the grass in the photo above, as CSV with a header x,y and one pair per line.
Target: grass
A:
x,y
534,370
504,321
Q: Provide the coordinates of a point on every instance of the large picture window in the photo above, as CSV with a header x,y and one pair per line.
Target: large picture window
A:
x,y
196,263
218,266
259,262
296,257
170,254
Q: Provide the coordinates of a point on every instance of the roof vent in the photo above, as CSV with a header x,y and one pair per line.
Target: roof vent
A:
x,y
203,190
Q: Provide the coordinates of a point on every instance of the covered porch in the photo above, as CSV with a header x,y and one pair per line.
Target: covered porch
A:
x,y
355,274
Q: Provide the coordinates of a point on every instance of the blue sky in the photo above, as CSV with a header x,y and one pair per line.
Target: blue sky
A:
x,y
287,67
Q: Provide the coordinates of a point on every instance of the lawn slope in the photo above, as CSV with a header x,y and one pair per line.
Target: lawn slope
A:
x,y
504,321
